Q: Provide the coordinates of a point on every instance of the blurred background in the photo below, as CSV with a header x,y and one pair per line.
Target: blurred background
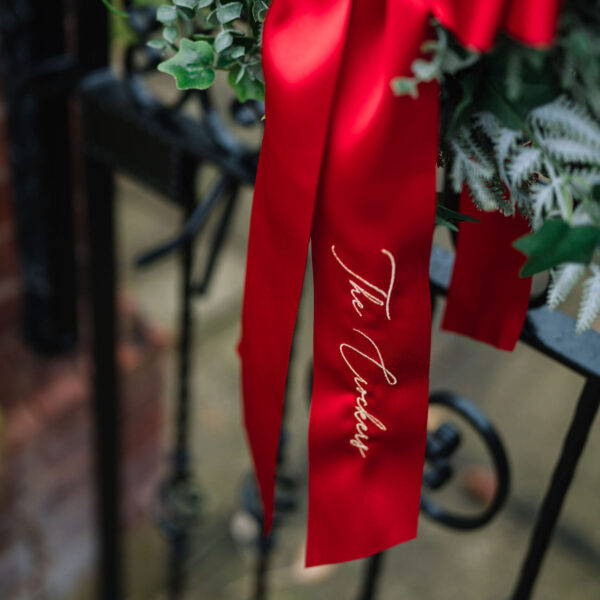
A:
x,y
124,471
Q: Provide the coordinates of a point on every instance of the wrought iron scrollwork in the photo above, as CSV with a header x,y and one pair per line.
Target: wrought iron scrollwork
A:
x,y
443,443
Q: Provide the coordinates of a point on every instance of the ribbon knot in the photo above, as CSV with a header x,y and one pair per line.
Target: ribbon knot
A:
x,y
349,167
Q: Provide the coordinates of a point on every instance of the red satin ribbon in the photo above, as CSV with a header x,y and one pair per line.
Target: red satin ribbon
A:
x,y
487,299
350,167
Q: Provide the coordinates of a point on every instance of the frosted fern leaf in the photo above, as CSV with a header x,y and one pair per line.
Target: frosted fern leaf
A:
x,y
590,301
524,163
543,201
481,193
563,281
488,124
565,117
571,150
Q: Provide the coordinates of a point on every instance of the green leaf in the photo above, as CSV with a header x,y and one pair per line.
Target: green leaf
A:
x,y
166,14
191,66
238,52
453,215
556,242
204,3
512,114
170,33
246,86
190,4
464,109
259,10
229,12
157,44
223,41
115,11
444,223
185,13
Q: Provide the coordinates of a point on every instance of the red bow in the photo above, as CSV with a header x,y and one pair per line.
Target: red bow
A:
x,y
352,168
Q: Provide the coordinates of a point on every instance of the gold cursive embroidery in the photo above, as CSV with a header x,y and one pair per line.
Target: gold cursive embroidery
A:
x,y
361,414
378,297
357,290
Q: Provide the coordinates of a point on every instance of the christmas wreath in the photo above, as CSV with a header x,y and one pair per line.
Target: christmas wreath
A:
x,y
517,119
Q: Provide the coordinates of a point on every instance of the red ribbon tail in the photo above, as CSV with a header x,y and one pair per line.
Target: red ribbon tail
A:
x,y
487,299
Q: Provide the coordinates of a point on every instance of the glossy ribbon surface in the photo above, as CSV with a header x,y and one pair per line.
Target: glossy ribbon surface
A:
x,y
351,168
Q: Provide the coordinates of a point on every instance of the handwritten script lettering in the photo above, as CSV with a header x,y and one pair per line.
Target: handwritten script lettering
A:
x,y
357,290
362,290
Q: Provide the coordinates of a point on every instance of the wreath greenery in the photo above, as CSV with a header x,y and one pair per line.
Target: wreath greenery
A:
x,y
514,119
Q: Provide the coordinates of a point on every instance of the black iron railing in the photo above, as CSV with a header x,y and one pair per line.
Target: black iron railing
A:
x,y
126,129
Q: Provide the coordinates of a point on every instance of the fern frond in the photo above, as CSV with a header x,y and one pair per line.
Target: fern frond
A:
x,y
464,167
543,198
524,163
566,117
457,172
590,301
488,123
480,192
569,150
563,281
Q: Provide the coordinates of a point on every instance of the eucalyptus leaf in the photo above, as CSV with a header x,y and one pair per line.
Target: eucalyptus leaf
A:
x,y
223,41
157,44
191,66
190,4
557,242
166,14
187,14
238,52
170,33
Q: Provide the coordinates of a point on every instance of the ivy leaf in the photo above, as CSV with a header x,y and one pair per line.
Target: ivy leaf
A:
x,y
555,243
229,12
204,3
245,84
191,66
166,14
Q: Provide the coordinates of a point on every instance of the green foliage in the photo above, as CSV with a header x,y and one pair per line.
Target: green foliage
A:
x,y
450,218
521,127
555,243
202,36
114,10
191,66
